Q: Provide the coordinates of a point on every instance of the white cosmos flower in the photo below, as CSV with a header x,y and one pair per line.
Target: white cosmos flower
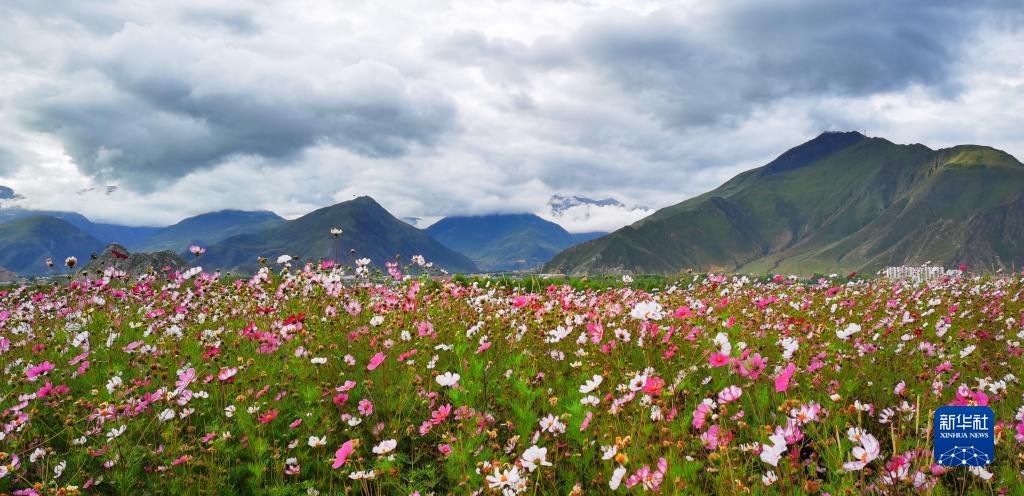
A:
x,y
36,455
386,446
448,379
552,424
116,432
647,310
617,476
316,442
535,457
771,454
967,351
609,452
591,384
849,331
166,415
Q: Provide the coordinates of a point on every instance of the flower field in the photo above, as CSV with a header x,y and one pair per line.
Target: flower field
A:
x,y
298,381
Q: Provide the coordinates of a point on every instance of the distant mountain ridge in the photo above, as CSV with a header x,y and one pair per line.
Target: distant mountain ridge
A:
x,y
209,228
840,202
368,229
505,242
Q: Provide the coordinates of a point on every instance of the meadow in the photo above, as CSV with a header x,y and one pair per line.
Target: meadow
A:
x,y
297,381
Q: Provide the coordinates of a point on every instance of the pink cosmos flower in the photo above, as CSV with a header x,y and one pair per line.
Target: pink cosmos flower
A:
x,y
341,456
715,437
590,415
42,369
227,374
700,415
268,417
751,366
438,416
375,361
718,360
729,394
966,397
365,407
782,381
649,479
654,385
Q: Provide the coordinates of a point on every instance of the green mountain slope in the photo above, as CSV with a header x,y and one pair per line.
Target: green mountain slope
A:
x,y
27,242
504,242
207,229
839,202
368,229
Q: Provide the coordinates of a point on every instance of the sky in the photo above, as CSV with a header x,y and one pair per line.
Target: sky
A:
x,y
461,108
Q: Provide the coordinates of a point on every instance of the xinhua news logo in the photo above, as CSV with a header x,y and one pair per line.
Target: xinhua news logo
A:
x,y
964,436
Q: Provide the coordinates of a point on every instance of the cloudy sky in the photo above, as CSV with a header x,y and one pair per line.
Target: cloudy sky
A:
x,y
474,107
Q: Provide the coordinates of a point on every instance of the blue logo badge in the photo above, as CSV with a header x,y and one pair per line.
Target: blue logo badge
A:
x,y
964,436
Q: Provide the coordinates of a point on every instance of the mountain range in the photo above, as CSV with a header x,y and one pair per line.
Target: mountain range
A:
x,y
505,242
369,231
840,202
206,229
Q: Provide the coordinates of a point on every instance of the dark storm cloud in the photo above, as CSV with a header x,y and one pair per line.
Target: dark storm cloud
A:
x,y
149,105
721,65
474,106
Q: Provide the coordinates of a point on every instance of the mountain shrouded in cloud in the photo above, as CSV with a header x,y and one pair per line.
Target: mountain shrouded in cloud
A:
x,y
194,106
840,202
582,214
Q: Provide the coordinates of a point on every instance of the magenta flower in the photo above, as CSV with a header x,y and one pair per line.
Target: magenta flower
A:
x,y
365,407
718,360
35,371
341,456
375,361
782,381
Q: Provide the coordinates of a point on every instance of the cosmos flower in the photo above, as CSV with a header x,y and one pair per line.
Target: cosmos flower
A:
x,y
729,394
552,424
386,446
782,380
375,361
344,452
771,453
863,454
448,379
535,457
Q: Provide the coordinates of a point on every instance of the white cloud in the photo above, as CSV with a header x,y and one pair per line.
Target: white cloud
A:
x,y
473,107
